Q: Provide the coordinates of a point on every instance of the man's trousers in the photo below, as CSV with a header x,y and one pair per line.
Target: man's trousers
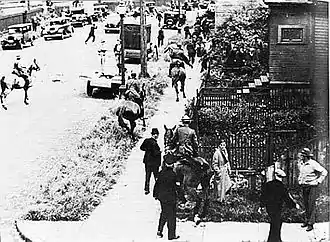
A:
x,y
168,215
310,194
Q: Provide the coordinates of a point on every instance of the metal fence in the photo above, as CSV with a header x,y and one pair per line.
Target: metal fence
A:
x,y
265,145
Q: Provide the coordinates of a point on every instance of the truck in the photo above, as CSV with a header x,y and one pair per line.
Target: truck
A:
x,y
132,37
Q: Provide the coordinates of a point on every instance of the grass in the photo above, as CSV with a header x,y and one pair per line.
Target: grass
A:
x,y
75,185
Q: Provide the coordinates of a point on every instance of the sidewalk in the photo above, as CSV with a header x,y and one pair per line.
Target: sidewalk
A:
x,y
127,215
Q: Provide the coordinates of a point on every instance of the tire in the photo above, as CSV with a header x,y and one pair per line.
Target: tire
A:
x,y
89,89
19,45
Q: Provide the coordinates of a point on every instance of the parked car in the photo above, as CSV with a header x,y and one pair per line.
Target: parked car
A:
x,y
18,36
174,19
58,28
113,24
79,20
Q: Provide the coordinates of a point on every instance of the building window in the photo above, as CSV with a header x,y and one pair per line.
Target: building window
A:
x,y
291,34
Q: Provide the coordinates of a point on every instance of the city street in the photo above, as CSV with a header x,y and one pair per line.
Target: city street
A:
x,y
59,114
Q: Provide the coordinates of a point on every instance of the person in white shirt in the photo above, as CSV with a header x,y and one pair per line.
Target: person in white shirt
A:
x,y
311,174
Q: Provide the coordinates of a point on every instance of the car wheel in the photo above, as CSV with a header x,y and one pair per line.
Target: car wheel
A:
x,y
19,45
89,90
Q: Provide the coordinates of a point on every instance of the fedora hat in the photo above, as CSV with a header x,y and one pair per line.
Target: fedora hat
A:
x,y
154,131
185,118
306,152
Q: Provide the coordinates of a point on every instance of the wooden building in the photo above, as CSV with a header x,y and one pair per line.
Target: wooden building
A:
x,y
298,40
299,45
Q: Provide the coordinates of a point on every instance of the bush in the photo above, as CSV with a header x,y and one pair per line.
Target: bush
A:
x,y
242,206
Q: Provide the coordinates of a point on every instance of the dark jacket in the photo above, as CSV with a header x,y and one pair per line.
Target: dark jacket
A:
x,y
165,186
274,195
152,156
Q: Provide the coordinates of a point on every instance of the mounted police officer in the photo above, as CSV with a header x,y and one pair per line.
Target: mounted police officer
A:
x,y
178,58
185,142
20,70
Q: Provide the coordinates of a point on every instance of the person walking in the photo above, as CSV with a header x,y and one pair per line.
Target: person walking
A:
x,y
273,196
160,37
159,17
91,33
311,174
151,159
165,192
191,49
222,169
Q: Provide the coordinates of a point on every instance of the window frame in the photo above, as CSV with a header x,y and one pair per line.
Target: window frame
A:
x,y
304,35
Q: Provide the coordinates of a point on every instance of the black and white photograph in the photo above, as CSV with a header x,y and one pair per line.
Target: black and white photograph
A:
x,y
164,120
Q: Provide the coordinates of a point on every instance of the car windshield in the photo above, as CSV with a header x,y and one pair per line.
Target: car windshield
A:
x,y
52,23
14,30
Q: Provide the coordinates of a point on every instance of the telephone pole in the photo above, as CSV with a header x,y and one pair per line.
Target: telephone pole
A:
x,y
143,52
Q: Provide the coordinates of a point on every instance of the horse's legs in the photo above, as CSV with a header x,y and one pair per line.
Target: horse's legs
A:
x,y
133,125
177,91
182,86
26,96
2,98
122,123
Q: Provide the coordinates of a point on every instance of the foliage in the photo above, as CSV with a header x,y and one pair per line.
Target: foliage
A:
x,y
75,185
242,206
241,42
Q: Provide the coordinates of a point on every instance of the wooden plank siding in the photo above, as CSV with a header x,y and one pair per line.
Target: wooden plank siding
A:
x,y
321,48
290,62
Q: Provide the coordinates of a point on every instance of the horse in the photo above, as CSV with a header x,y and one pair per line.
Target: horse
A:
x,y
178,74
131,108
12,81
190,178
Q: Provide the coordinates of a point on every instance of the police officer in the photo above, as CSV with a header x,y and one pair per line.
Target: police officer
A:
x,y
185,141
273,196
165,192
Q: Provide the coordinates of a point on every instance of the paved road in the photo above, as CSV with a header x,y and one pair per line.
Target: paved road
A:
x,y
58,115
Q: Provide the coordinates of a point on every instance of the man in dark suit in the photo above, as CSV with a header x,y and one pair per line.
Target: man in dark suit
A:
x,y
152,158
165,192
273,195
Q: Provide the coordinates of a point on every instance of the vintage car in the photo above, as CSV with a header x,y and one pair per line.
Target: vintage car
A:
x,y
18,36
58,28
112,24
98,81
173,19
79,20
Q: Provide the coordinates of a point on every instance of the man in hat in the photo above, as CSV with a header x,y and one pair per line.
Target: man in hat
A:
x,y
152,158
185,142
19,69
273,196
165,192
311,174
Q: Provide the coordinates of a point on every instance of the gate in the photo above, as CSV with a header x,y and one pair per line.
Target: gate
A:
x,y
259,141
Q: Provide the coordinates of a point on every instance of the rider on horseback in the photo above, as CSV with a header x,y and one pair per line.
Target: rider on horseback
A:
x,y
135,94
185,142
20,70
178,57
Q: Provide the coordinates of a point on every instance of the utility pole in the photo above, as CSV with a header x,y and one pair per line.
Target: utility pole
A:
x,y
143,51
28,5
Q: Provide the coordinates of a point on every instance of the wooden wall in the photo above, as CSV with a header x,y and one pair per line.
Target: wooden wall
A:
x,y
290,62
321,52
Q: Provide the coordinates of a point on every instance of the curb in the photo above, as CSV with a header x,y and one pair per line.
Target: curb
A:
x,y
20,233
